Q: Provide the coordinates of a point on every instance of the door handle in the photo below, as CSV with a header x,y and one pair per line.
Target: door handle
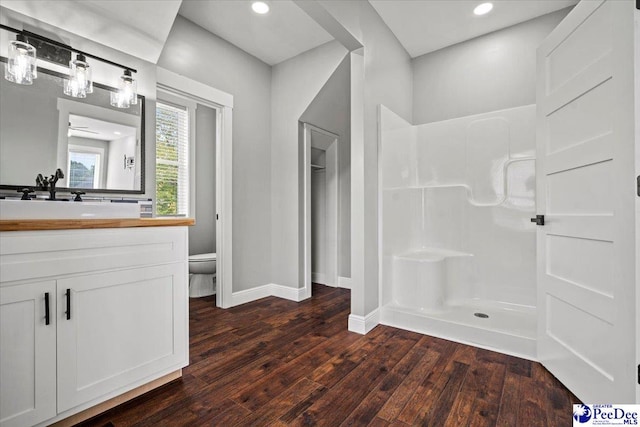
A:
x,y
68,295
539,219
47,318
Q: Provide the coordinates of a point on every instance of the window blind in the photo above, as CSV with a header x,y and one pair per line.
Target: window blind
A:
x,y
172,160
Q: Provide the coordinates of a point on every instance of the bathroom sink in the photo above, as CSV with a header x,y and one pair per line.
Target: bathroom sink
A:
x,y
43,209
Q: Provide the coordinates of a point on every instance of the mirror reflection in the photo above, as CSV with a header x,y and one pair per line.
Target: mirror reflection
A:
x,y
100,154
99,147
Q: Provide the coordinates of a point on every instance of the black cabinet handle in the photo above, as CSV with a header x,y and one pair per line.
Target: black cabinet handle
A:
x,y
539,219
47,318
68,295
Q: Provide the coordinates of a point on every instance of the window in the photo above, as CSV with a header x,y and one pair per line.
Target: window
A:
x,y
84,169
172,164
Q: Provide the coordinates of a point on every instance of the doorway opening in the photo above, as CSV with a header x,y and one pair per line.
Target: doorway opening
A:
x,y
321,207
209,193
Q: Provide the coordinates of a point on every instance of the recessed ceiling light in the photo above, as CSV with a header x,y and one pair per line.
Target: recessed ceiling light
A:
x,y
116,132
482,9
260,7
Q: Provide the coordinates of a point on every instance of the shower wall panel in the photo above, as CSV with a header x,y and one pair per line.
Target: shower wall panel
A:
x,y
465,185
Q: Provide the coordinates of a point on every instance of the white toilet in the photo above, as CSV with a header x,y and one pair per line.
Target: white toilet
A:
x,y
202,275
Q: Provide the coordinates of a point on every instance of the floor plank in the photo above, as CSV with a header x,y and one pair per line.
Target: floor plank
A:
x,y
275,362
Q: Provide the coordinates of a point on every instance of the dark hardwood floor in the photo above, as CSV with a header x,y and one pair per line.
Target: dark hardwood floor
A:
x,y
275,362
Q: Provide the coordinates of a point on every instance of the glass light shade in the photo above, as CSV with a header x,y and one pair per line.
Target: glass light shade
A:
x,y
79,83
119,100
21,62
74,89
127,94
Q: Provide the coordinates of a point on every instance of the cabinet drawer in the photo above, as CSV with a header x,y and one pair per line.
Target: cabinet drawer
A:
x,y
38,254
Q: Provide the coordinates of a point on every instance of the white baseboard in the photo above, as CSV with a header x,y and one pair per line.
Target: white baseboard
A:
x,y
286,292
344,282
253,294
364,324
268,290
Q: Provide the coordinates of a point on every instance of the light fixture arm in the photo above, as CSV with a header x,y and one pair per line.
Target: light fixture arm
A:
x,y
29,34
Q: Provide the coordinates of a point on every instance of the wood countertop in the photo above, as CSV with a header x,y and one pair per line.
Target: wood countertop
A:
x,y
74,224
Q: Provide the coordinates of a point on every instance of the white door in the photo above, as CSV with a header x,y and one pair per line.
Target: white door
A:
x,y
586,191
124,326
27,353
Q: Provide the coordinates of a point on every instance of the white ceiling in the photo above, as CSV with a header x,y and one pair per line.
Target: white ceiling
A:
x,y
87,127
139,28
423,26
284,32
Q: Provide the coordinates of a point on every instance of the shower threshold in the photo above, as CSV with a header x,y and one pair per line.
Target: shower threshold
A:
x,y
507,328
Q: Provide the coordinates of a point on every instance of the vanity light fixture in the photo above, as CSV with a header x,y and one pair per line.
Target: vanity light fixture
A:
x,y
260,7
79,83
483,9
21,67
21,62
127,93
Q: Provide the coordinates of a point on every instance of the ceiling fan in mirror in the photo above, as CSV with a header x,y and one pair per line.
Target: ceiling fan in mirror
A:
x,y
80,129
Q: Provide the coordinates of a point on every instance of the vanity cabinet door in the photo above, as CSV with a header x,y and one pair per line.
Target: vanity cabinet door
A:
x,y
123,327
27,354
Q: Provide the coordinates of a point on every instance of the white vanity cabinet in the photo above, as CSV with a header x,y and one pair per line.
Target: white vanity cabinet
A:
x,y
118,317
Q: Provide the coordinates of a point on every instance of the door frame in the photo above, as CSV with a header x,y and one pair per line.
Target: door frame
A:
x,y
333,217
222,102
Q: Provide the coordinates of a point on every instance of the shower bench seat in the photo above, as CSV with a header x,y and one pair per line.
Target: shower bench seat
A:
x,y
426,278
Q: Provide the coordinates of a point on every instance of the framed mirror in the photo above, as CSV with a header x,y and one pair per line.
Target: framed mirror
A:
x,y
100,148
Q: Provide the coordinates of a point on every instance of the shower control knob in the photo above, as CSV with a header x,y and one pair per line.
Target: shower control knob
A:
x,y
539,219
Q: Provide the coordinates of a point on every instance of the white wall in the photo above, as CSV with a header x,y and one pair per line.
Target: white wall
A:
x,y
330,111
387,80
198,54
488,73
38,152
294,85
318,216
202,235
89,142
117,175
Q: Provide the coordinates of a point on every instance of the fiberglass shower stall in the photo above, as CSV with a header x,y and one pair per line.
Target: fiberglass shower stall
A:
x,y
458,248
459,256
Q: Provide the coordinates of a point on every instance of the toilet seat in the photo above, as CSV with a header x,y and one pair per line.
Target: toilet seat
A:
x,y
202,257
